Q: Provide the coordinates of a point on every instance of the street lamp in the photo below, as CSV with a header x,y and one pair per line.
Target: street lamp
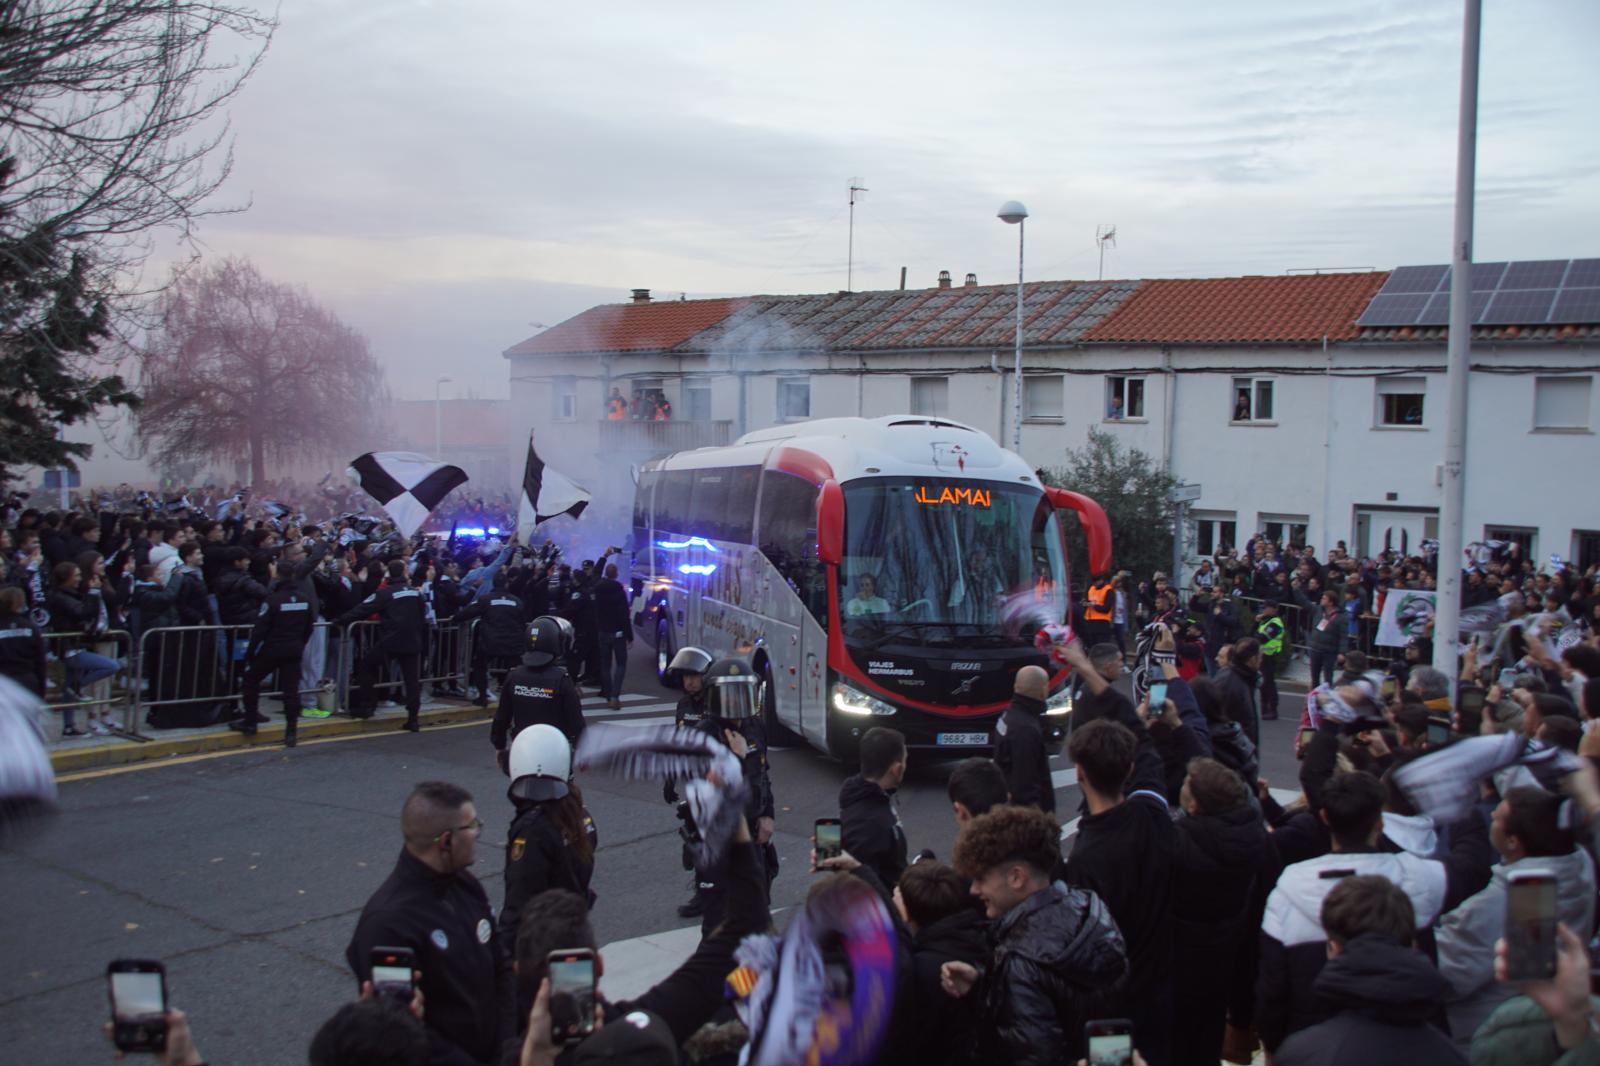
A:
x,y
438,433
1013,213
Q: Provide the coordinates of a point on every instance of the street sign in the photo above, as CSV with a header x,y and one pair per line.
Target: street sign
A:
x,y
1183,494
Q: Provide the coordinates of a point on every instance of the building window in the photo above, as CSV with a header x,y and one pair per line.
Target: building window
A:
x,y
1561,403
697,401
1252,400
1585,548
930,396
1399,401
566,399
1525,537
794,398
1215,532
1042,397
1124,398
1285,529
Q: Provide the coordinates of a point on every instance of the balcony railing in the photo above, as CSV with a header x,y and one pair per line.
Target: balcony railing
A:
x,y
659,438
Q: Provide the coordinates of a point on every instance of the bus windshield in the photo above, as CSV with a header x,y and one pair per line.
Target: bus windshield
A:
x,y
927,559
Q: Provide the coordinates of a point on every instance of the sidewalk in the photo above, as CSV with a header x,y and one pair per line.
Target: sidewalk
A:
x,y
71,754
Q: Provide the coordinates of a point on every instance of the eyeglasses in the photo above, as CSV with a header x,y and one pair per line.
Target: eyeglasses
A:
x,y
474,826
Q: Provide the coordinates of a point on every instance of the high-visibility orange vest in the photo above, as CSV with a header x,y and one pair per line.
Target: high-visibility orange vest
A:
x,y
1099,609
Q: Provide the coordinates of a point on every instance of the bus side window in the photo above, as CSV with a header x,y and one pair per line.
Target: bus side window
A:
x,y
788,537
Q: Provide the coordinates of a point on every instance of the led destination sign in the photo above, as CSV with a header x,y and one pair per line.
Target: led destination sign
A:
x,y
961,496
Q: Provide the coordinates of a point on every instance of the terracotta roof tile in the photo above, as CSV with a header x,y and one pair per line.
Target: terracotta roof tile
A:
x,y
1279,309
629,327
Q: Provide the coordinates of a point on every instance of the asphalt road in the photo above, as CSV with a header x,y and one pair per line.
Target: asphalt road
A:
x,y
245,873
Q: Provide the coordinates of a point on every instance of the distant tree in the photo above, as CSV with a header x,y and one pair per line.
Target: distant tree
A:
x,y
1133,489
111,129
246,368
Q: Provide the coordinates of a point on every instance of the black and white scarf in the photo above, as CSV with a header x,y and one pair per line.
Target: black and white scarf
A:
x,y
1444,784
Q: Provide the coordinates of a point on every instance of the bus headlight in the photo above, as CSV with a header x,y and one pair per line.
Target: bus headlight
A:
x,y
1060,703
853,701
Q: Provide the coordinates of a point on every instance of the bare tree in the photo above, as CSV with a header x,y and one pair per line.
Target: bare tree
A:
x,y
243,367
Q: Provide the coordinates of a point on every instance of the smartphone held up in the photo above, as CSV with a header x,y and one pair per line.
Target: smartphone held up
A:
x,y
394,973
138,989
829,835
1531,926
572,994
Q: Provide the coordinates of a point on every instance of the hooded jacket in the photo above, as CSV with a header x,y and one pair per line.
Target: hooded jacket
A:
x,y
239,597
1231,747
1293,942
1236,687
1412,833
871,828
1053,953
1381,998
1520,1033
1466,935
944,1030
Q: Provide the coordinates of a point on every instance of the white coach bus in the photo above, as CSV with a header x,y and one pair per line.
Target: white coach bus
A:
x,y
888,571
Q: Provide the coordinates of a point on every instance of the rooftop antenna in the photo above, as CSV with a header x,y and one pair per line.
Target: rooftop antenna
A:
x,y
1104,234
850,260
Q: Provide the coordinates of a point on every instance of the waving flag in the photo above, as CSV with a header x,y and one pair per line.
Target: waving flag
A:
x,y
545,494
408,485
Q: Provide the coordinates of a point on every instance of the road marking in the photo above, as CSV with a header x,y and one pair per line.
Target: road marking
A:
x,y
649,708
626,697
1063,778
661,720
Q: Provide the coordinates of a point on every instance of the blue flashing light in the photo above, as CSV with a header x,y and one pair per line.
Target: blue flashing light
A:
x,y
692,542
697,568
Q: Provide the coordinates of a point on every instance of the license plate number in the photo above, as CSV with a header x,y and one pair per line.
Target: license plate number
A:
x,y
961,740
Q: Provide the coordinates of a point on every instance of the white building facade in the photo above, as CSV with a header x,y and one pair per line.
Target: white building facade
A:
x,y
1294,421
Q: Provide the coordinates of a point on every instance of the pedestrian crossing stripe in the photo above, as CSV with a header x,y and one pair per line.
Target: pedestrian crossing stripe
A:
x,y
627,697
648,708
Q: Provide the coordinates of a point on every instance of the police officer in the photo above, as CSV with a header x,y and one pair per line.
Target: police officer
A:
x,y
552,838
502,632
402,625
540,691
1270,631
433,905
276,646
688,670
728,712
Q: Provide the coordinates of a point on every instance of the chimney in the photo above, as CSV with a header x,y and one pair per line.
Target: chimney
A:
x,y
641,296
971,282
944,279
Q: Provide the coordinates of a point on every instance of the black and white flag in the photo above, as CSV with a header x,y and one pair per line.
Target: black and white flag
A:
x,y
408,485
546,493
275,509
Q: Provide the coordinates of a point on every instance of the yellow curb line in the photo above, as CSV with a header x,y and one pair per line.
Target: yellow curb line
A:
x,y
228,741
182,760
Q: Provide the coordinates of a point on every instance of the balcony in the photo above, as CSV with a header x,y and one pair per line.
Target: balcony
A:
x,y
649,439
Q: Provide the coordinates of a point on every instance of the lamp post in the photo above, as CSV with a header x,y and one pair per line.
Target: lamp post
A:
x,y
438,431
1013,213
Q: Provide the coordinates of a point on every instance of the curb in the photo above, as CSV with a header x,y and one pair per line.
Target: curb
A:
x,y
126,752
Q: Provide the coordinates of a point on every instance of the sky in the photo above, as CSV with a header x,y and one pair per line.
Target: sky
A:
x,y
448,175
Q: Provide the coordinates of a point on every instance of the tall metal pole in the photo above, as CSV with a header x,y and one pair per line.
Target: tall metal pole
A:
x,y
850,255
1016,399
1447,618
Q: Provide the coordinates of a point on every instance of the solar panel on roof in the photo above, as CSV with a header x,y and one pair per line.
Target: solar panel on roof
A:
x,y
1437,313
1518,307
1585,273
1575,306
1485,276
1393,309
1542,274
1416,279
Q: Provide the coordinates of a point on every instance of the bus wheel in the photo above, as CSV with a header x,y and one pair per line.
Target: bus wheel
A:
x,y
664,653
778,734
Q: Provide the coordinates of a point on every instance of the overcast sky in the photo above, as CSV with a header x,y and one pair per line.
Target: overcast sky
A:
x,y
445,173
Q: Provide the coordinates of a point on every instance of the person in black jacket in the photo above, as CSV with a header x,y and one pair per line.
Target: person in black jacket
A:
x,y
1221,842
22,648
501,635
1229,745
401,623
75,607
1021,751
936,906
1382,992
431,904
539,691
1125,852
1236,684
615,634
276,647
1055,947
871,830
552,839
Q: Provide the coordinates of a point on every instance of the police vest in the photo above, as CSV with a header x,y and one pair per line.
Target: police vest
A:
x,y
1271,634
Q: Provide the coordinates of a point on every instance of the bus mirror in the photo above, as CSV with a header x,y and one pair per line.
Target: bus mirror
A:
x,y
1096,527
830,523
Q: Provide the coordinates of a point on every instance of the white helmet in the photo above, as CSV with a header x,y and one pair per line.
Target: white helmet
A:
x,y
541,763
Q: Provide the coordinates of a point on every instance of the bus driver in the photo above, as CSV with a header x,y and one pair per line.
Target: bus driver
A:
x,y
866,601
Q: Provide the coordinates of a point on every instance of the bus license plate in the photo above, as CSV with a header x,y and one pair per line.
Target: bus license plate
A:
x,y
961,740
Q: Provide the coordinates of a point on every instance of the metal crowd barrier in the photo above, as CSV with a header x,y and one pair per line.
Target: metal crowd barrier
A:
x,y
103,693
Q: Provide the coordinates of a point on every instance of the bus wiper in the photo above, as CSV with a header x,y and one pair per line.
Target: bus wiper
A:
x,y
891,630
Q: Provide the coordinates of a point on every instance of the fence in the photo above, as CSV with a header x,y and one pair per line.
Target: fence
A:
x,y
191,676
61,648
1297,620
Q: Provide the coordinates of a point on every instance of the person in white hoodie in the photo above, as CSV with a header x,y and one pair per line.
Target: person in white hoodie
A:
x,y
1528,832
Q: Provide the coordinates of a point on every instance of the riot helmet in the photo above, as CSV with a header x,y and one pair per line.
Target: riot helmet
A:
x,y
550,639
732,690
540,764
690,660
